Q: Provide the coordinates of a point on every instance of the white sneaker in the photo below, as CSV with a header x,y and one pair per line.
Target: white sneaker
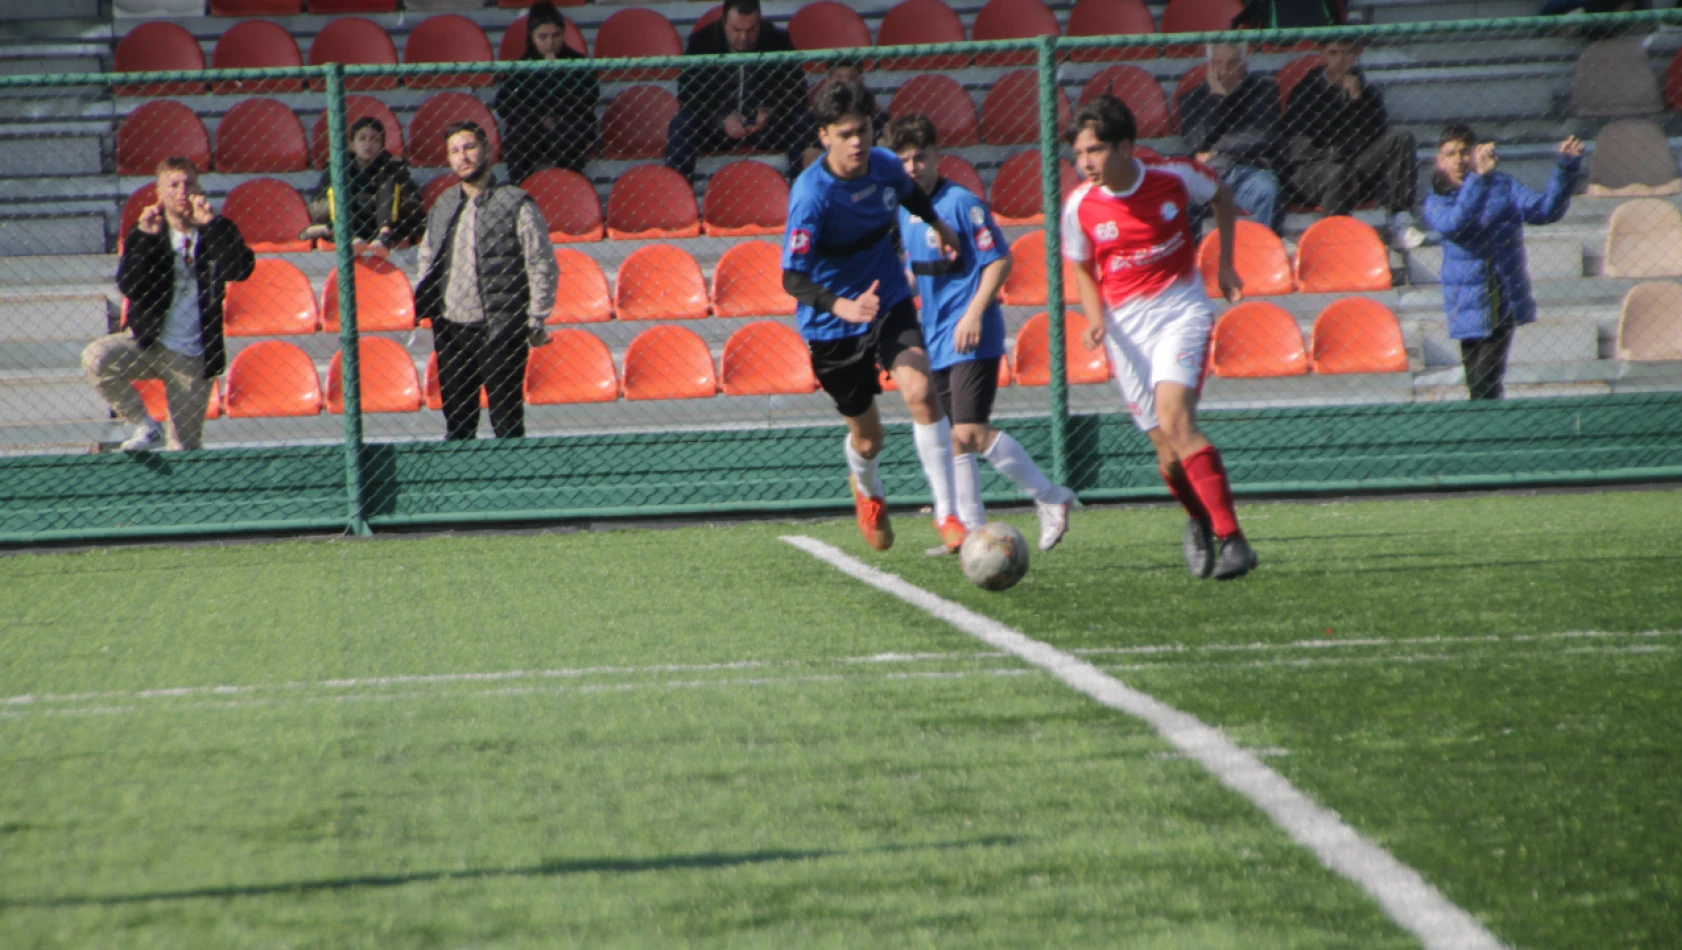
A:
x,y
1406,237
146,435
1054,517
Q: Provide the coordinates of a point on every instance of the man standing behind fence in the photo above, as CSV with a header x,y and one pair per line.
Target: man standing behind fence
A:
x,y
176,263
487,283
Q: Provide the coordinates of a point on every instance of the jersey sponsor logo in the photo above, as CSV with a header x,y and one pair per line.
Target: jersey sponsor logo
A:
x,y
1121,260
1169,211
863,193
977,217
1107,231
984,239
800,241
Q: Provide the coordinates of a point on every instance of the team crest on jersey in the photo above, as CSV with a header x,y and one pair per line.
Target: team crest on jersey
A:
x,y
800,241
977,217
1169,211
1107,231
931,237
890,200
1190,359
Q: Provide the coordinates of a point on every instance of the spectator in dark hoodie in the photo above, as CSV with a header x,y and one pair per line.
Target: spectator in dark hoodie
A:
x,y
758,106
548,117
385,204
1231,122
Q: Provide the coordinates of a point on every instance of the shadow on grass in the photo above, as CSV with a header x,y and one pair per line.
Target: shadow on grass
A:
x,y
676,862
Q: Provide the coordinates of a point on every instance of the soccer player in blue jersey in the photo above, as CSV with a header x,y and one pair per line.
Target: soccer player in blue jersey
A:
x,y
856,311
965,331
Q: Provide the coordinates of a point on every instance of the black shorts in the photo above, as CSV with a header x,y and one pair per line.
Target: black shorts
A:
x,y
966,390
847,369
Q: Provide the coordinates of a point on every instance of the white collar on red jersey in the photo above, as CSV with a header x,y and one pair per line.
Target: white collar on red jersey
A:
x,y
1138,180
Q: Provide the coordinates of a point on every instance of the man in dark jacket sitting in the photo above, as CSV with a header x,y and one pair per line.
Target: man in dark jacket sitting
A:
x,y
384,202
175,267
1231,122
761,106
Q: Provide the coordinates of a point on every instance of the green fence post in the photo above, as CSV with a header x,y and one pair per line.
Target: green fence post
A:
x,y
350,377
1051,178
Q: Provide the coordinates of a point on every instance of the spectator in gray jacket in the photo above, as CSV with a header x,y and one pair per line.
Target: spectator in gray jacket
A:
x,y
1231,122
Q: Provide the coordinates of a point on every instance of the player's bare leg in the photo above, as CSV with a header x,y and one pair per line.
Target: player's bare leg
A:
x,y
1189,460
1052,503
933,435
863,445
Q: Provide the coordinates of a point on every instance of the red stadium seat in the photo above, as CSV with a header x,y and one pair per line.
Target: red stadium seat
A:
x,y
137,202
637,32
276,300
581,293
256,7
669,363
433,398
1197,16
635,123
426,129
921,21
269,213
384,299
748,282
437,186
660,282
447,38
1257,339
957,169
1141,92
1292,73
766,358
1110,18
826,24
153,394
572,367
522,4
260,136
355,108
513,45
713,14
745,197
387,373
1033,352
158,130
569,204
1259,255
1012,20
1357,335
1018,195
156,46
1010,115
272,378
652,201
1026,285
946,104
355,40
353,6
1341,254
257,44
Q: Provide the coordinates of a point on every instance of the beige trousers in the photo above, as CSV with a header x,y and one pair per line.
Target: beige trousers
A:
x,y
113,363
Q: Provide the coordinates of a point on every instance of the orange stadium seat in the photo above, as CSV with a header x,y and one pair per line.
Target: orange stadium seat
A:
x,y
384,299
572,367
387,373
1259,255
748,282
1141,92
1026,285
635,123
569,204
272,378
1110,18
137,202
745,197
513,45
353,6
637,32
1033,352
256,44
1010,115
1650,323
256,7
946,104
426,129
1257,338
156,46
765,358
1197,16
1341,254
669,363
1018,195
921,21
826,24
433,398
581,294
157,130
652,201
355,108
276,300
437,186
957,169
1292,73
1012,20
447,38
660,282
258,136
153,394
1357,335
355,40
270,213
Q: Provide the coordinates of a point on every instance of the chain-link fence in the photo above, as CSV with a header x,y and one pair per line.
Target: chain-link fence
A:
x,y
560,281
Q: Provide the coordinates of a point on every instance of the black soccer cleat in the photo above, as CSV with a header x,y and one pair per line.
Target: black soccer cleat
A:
x,y
1235,559
1199,545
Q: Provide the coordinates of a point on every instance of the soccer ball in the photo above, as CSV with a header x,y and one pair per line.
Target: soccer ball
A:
x,y
994,556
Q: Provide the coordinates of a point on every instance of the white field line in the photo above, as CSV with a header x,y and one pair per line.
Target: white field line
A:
x,y
1407,897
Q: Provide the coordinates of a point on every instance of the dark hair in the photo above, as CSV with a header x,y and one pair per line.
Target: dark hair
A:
x,y
467,125
911,130
1108,118
840,98
366,122
1457,132
542,13
744,7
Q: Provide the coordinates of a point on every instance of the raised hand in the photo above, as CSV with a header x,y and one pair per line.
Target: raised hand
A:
x,y
201,213
1484,159
735,125
1571,147
863,309
151,219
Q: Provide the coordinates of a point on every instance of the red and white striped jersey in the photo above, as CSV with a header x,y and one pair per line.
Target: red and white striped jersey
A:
x,y
1141,239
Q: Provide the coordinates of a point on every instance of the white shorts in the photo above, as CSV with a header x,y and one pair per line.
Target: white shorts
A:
x,y
1160,339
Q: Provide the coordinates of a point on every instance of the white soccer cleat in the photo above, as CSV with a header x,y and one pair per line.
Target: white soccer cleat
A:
x,y
1054,518
146,435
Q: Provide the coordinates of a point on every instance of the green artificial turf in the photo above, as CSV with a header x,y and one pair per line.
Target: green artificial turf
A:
x,y
704,737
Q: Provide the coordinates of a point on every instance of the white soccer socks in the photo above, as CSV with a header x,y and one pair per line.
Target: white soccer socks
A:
x,y
863,469
966,489
934,448
1012,460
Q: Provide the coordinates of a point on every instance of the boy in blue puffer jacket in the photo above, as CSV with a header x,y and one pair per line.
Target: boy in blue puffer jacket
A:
x,y
1481,214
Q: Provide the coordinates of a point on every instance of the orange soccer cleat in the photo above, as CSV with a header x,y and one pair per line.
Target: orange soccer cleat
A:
x,y
952,533
872,515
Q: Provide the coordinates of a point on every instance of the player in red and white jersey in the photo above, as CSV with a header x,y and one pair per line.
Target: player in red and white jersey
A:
x,y
1128,229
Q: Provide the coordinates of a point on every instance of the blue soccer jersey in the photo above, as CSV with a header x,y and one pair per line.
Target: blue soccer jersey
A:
x,y
947,287
840,234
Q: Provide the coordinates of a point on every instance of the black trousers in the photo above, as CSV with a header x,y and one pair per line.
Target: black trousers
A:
x,y
1386,171
1486,362
561,147
474,355
688,135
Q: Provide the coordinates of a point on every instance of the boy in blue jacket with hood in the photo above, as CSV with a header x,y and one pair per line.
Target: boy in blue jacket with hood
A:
x,y
1481,214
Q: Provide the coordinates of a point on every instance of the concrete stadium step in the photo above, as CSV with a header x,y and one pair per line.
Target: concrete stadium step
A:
x,y
54,235
1551,256
50,155
1548,340
48,396
48,318
1428,10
